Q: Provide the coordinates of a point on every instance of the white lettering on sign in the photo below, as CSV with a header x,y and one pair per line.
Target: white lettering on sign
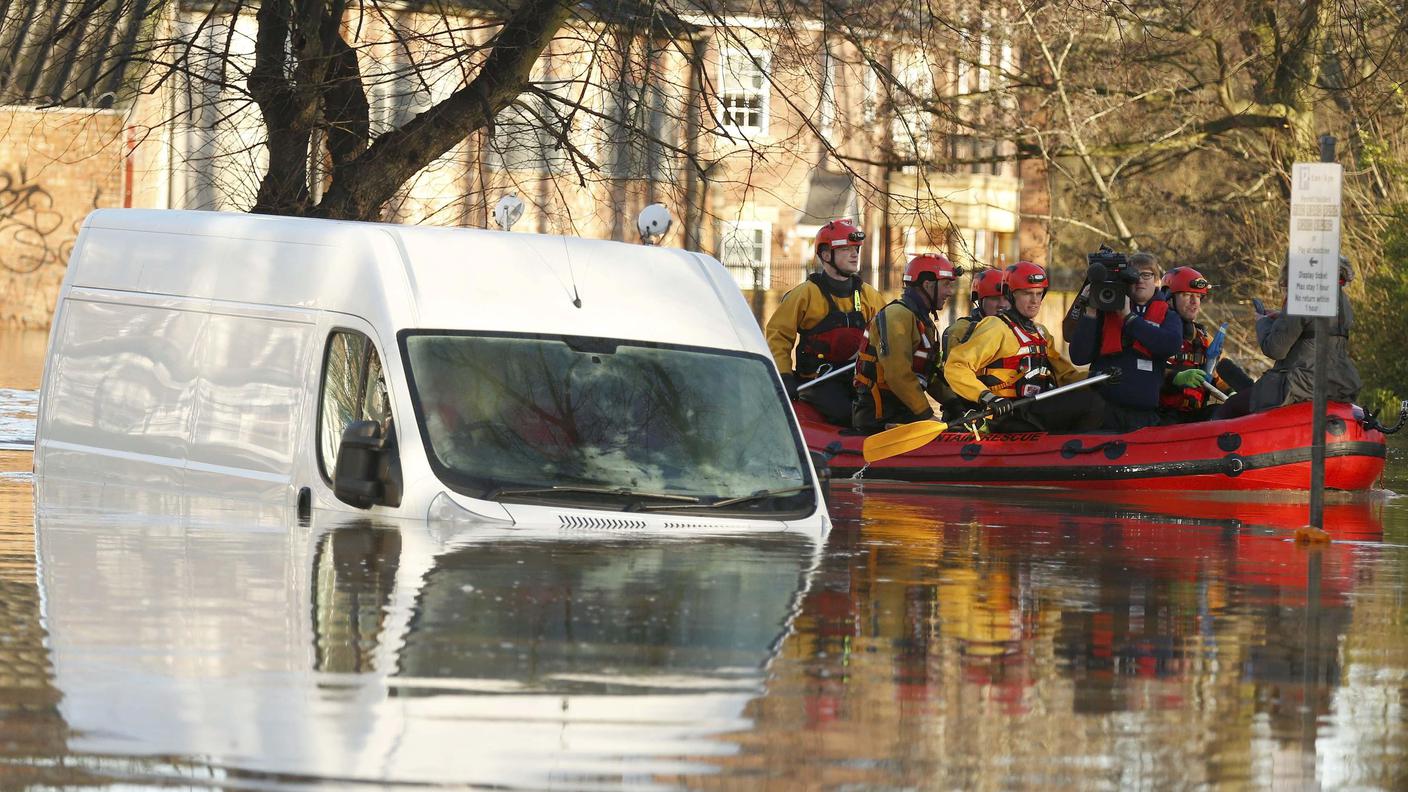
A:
x,y
1313,286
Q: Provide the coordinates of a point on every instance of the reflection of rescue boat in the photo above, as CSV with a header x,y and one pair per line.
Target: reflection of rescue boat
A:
x,y
1264,451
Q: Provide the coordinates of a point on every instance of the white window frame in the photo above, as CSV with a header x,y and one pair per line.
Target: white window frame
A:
x,y
1006,64
870,105
962,68
760,235
985,64
826,96
911,127
730,87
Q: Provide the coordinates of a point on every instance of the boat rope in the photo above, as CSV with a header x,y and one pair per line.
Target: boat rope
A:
x,y
1371,420
1073,447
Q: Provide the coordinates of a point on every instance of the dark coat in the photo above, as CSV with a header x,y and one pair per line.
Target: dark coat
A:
x,y
1141,376
1290,341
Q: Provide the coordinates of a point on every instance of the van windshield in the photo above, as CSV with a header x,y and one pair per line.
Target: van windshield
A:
x,y
607,424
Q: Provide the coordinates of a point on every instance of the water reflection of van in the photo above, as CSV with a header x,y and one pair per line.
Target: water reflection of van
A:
x,y
455,374
358,651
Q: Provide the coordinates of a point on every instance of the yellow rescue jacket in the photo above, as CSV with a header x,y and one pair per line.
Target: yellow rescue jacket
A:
x,y
900,349
988,360
805,307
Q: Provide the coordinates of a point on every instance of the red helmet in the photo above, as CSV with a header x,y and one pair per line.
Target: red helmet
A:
x,y
1186,279
838,234
987,283
1025,275
932,264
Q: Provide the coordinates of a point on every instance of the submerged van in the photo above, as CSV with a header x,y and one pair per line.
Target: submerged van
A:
x,y
447,374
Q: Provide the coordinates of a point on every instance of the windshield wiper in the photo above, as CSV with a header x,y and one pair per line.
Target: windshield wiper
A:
x,y
734,501
582,489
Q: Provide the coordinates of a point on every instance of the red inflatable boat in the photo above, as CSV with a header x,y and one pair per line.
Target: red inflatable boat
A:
x,y
1264,451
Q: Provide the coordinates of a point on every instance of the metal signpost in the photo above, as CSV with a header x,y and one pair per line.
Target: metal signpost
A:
x,y
1312,288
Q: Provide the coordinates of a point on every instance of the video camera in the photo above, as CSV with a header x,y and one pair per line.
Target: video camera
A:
x,y
1110,277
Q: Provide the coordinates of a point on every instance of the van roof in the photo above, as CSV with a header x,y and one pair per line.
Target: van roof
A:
x,y
420,276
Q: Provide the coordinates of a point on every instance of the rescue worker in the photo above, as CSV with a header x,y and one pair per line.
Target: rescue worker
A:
x,y
987,296
1010,356
1138,340
1183,398
825,317
898,359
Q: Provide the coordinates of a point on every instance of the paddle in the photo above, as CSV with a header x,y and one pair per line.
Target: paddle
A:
x,y
906,437
826,376
893,442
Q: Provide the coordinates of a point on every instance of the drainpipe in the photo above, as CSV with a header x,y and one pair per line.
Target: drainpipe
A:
x,y
696,184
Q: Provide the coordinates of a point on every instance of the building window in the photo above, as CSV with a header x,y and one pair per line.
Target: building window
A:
x,y
525,134
826,98
985,65
963,67
912,126
638,134
870,104
1006,64
746,249
743,91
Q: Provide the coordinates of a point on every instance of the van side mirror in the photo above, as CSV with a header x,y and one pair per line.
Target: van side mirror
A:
x,y
368,469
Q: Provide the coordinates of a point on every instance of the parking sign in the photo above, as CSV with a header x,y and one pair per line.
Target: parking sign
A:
x,y
1313,288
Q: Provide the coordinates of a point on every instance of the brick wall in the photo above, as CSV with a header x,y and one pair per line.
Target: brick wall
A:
x,y
55,167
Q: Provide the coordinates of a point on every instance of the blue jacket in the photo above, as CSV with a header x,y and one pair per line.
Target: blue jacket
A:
x,y
1141,376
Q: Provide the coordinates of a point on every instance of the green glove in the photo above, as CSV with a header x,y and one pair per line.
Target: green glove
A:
x,y
1190,378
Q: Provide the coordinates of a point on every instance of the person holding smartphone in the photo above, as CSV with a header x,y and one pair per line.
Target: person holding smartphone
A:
x,y
1290,341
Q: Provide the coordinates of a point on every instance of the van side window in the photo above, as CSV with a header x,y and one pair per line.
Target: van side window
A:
x,y
354,389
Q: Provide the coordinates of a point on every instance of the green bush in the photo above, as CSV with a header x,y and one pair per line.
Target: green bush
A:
x,y
1380,334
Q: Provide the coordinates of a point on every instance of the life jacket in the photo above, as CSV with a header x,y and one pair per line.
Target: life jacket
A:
x,y
1112,340
1025,373
868,374
837,337
1194,354
958,334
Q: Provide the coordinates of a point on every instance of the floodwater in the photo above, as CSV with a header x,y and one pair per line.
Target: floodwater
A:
x,y
937,641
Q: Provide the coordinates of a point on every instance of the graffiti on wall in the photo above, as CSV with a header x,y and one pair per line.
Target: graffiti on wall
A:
x,y
30,225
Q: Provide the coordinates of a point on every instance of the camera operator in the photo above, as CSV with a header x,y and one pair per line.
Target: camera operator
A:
x,y
1121,323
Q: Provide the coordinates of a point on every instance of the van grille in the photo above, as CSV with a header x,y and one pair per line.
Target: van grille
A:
x,y
600,524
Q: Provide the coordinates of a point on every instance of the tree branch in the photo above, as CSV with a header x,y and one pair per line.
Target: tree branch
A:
x,y
372,178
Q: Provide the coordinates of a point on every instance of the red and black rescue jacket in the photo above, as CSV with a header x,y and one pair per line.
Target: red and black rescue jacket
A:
x,y
837,338
1194,354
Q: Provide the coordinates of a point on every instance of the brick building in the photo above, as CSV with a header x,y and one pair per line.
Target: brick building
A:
x,y
752,130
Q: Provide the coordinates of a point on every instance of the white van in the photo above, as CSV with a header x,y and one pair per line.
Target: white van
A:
x,y
446,374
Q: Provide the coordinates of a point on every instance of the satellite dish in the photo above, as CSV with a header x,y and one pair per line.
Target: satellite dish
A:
x,y
507,211
654,223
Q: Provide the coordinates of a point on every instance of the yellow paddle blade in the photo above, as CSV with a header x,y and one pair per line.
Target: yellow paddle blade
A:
x,y
893,442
